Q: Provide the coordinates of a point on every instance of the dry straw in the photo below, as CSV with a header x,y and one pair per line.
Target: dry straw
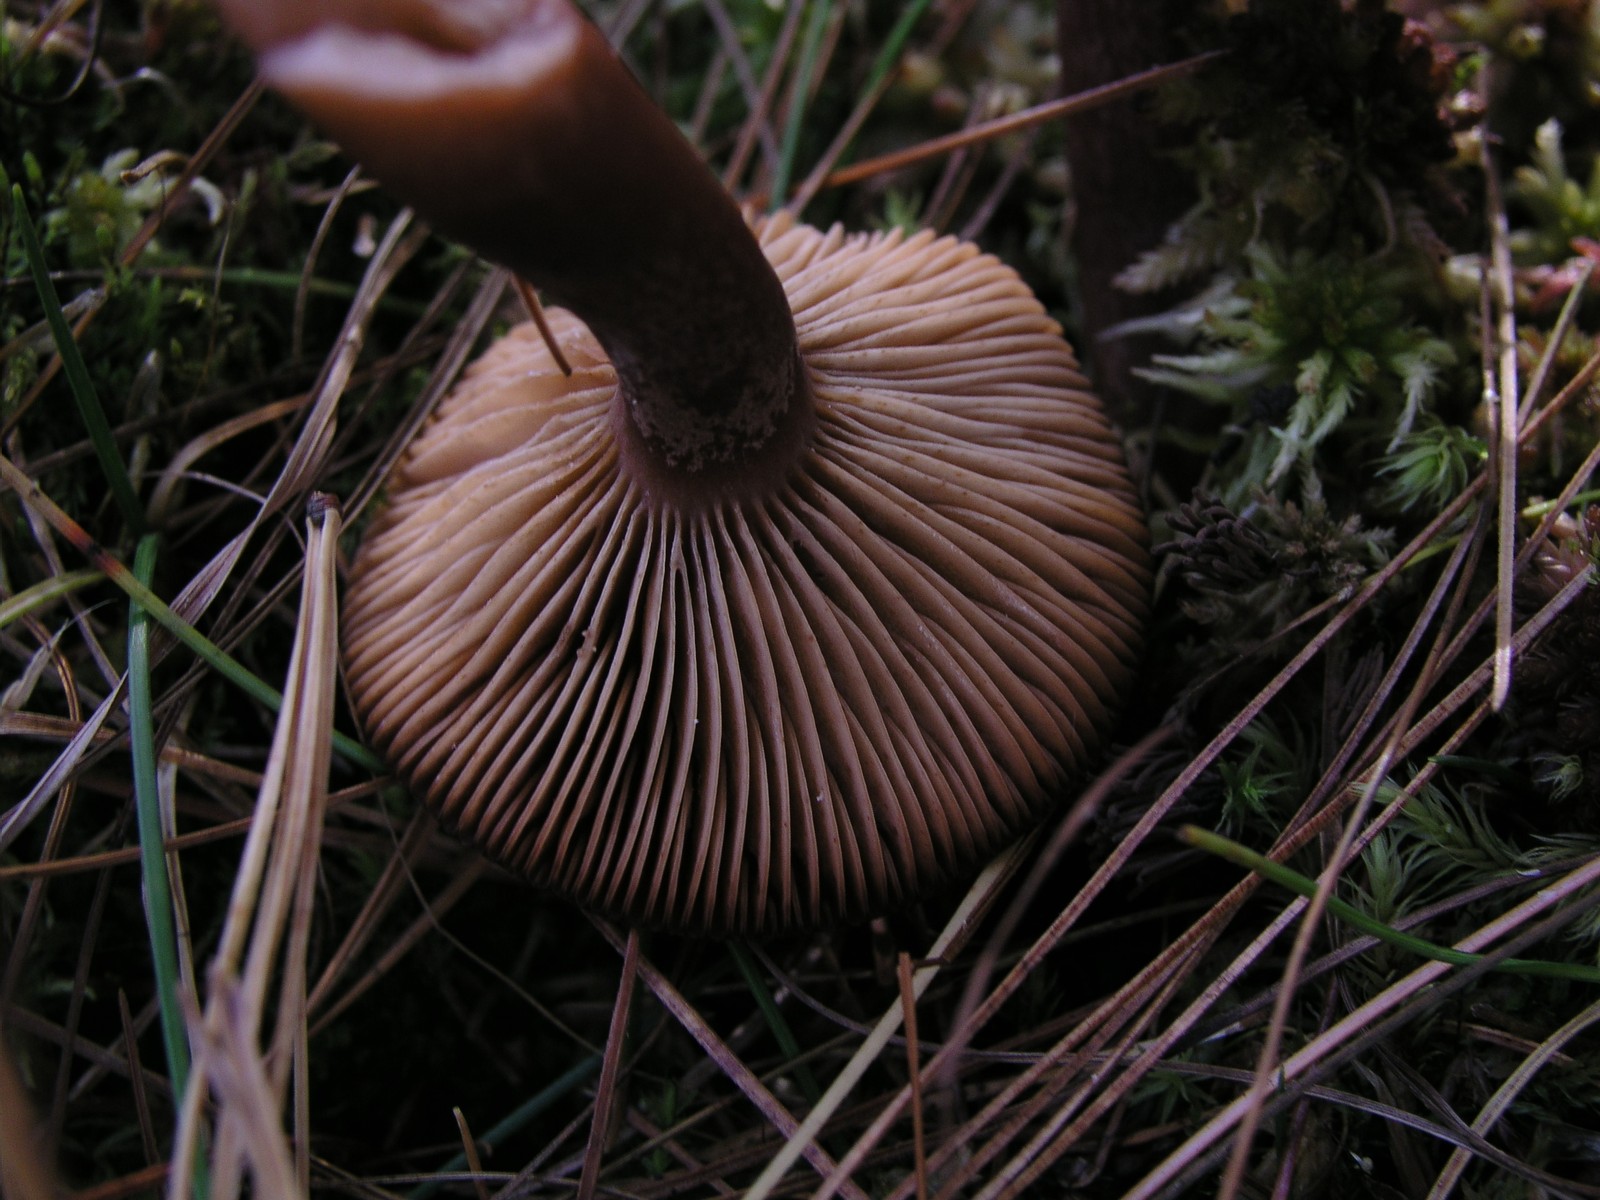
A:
x,y
256,1072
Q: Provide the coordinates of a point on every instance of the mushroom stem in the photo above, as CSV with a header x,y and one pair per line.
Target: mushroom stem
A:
x,y
512,126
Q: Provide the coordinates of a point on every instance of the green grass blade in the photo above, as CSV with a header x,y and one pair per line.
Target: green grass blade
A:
x,y
232,669
795,120
1533,512
518,1117
223,663
227,666
889,53
775,1020
77,373
1303,885
159,916
45,593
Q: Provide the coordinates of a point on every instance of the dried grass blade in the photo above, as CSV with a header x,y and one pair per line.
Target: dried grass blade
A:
x,y
1440,711
218,435
509,1125
1494,1108
247,1108
1402,740
82,864
1302,830
728,39
726,1060
106,1061
177,188
434,910
908,1007
1012,122
956,930
960,1036
77,993
58,14
377,905
1038,1156
1575,387
1503,408
1452,584
622,23
302,291
1564,499
710,89
469,1148
530,301
1063,836
399,245
222,662
1379,1019
141,1097
1558,334
59,775
1321,893
34,910
605,1096
1229,904
267,931
1176,1164
1018,1176
309,453
447,366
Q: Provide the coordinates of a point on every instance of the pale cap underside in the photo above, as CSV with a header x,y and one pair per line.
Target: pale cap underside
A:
x,y
778,712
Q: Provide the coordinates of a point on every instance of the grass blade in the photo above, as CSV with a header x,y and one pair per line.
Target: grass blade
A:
x,y
775,1020
514,1121
155,607
889,52
44,593
1303,885
152,850
795,118
78,381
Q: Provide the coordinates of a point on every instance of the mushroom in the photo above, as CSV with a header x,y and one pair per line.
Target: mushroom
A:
x,y
810,587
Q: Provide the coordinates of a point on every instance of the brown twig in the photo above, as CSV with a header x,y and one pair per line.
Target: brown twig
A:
x,y
718,1051
908,1009
530,301
469,1150
1048,111
605,1095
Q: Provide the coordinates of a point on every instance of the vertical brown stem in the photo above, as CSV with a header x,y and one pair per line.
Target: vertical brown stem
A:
x,y
1125,190
513,127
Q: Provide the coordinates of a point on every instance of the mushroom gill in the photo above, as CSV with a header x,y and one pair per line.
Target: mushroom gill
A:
x,y
807,677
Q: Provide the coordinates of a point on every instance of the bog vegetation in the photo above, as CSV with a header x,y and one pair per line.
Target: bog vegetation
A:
x,y
1328,920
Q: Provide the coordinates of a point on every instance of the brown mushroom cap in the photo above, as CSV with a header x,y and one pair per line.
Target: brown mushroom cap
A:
x,y
788,704
803,594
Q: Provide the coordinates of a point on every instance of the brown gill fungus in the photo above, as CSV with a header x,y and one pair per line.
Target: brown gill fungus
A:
x,y
806,591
